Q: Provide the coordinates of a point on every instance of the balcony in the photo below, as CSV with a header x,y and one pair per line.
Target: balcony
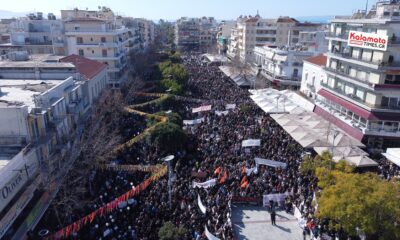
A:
x,y
347,77
358,61
98,44
356,100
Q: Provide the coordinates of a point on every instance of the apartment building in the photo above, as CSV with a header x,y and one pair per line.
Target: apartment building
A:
x,y
195,33
362,89
143,29
37,120
37,34
314,41
313,74
250,32
5,30
282,66
91,74
223,36
97,36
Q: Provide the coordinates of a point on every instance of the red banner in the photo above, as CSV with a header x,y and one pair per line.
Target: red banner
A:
x,y
109,207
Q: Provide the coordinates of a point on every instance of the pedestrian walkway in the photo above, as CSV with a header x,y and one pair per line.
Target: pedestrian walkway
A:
x,y
254,223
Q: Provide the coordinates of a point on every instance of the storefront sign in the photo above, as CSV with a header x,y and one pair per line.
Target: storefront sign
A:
x,y
368,40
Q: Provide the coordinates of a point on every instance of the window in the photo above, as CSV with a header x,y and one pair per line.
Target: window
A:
x,y
91,39
80,52
103,39
79,40
104,52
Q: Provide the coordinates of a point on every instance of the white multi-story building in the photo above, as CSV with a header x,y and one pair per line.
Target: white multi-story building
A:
x,y
37,118
314,41
37,34
256,31
362,89
144,30
224,35
195,32
97,36
313,74
282,66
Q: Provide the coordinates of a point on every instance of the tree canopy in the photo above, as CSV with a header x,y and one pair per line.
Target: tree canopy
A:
x,y
169,232
168,137
359,201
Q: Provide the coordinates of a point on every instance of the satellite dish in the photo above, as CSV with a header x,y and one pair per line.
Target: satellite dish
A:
x,y
168,158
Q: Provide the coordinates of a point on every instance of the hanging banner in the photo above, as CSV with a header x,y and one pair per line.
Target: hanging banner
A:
x,y
249,171
230,106
202,109
209,235
220,113
251,143
208,184
203,209
277,197
129,168
271,163
193,122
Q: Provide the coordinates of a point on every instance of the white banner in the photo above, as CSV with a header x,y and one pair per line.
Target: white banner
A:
x,y
230,106
220,113
201,206
193,122
251,143
277,197
249,171
367,40
209,235
271,163
297,213
207,184
201,109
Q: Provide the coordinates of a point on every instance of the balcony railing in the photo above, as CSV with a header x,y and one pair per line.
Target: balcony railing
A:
x,y
344,74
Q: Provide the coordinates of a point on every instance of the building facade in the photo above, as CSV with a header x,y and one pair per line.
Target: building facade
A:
x,y
37,120
280,65
37,34
195,33
251,32
362,89
313,74
100,40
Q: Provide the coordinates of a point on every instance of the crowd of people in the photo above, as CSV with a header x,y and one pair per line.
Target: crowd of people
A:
x,y
216,153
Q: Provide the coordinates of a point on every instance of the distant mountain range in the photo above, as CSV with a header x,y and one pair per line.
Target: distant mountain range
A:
x,y
9,14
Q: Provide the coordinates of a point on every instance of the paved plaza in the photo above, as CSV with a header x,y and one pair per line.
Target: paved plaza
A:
x,y
254,223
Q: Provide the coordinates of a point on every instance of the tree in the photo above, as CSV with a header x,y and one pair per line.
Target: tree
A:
x,y
360,201
172,86
168,137
173,117
169,232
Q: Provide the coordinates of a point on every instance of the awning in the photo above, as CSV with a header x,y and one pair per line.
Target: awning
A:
x,y
348,105
393,155
380,116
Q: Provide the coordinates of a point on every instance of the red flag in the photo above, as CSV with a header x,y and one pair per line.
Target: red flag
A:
x,y
224,177
217,171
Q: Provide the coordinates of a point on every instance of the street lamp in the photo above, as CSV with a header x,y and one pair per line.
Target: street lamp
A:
x,y
168,160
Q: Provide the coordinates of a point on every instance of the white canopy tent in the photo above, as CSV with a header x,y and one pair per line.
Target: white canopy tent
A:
x,y
353,155
393,155
274,101
312,131
242,79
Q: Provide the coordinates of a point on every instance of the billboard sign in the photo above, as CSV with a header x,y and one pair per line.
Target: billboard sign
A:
x,y
368,40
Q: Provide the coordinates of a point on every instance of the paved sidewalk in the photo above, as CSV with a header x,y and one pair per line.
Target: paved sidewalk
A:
x,y
254,223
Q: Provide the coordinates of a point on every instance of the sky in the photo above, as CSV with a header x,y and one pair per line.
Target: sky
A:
x,y
174,9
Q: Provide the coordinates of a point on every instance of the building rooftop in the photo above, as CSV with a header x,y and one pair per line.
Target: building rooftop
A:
x,y
7,154
36,61
86,67
21,92
319,60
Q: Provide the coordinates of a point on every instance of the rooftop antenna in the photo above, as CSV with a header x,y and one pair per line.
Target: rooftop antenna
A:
x,y
366,7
